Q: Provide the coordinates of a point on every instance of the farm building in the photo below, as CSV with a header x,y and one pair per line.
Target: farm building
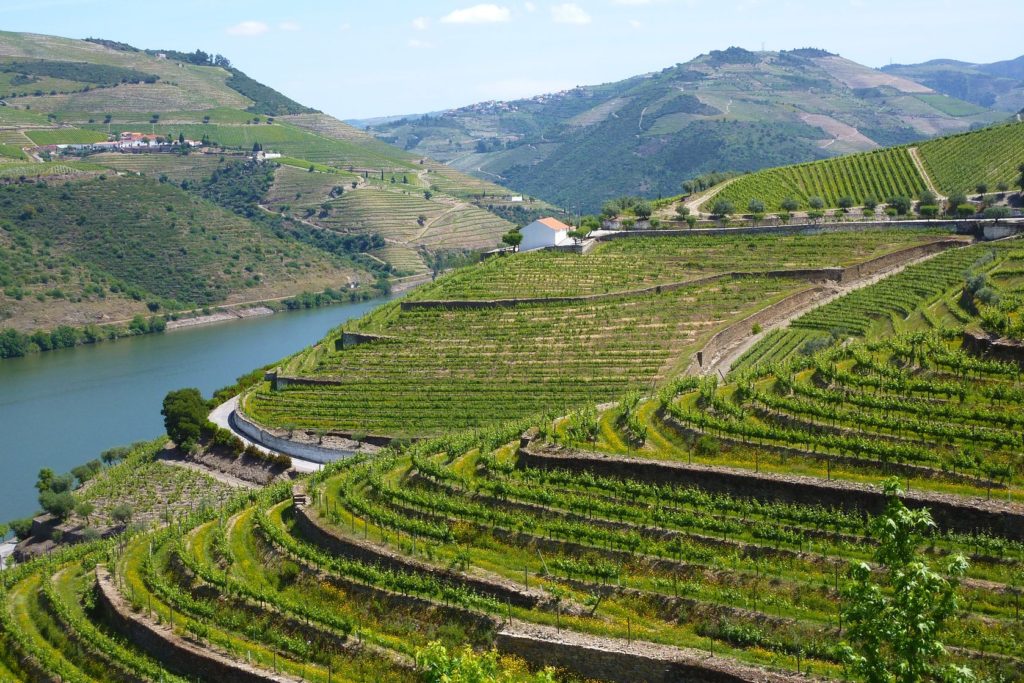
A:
x,y
546,232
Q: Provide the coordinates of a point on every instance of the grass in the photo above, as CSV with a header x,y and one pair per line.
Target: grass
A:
x,y
65,136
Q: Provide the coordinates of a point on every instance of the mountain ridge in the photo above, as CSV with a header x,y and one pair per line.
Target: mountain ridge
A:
x,y
728,109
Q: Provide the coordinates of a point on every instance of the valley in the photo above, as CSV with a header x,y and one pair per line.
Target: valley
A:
x,y
766,429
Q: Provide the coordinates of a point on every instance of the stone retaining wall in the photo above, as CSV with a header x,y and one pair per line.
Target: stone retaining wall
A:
x,y
310,526
949,512
622,661
989,346
813,275
726,338
296,449
161,643
962,227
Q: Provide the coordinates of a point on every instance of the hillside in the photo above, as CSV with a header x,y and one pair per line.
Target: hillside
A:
x,y
999,85
727,110
72,110
952,164
99,249
58,91
714,527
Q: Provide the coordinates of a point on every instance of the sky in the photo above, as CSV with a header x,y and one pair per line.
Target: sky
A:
x,y
367,58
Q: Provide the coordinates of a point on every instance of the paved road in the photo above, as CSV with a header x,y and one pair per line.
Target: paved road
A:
x,y
221,416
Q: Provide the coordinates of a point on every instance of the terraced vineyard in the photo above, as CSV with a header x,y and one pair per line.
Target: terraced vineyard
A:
x,y
474,367
193,167
990,156
956,163
879,175
627,264
918,299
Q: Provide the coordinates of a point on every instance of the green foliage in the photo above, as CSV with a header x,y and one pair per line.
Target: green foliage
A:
x,y
185,417
855,177
84,72
895,623
437,665
265,99
960,163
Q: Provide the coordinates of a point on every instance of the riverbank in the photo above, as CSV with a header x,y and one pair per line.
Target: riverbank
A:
x,y
60,409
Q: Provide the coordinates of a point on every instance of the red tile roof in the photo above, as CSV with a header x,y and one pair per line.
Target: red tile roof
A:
x,y
554,224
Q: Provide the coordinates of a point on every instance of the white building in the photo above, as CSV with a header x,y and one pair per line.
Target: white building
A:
x,y
546,232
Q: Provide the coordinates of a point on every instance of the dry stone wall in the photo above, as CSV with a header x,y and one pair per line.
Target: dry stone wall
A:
x,y
950,512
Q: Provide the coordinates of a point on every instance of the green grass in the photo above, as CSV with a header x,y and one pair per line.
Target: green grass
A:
x,y
67,136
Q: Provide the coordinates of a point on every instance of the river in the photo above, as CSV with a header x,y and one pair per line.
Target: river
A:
x,y
61,408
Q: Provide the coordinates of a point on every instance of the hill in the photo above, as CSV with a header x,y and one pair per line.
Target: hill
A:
x,y
99,249
693,524
953,164
73,110
727,110
999,85
58,91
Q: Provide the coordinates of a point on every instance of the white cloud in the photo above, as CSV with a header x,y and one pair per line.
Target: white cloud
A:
x,y
569,13
420,44
421,23
634,3
248,28
478,14
530,7
633,23
289,26
345,27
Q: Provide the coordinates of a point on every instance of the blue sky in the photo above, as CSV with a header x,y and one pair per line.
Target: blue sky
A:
x,y
380,57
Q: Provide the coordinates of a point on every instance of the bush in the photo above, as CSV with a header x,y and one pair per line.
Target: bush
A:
x,y
122,514
22,528
707,445
60,505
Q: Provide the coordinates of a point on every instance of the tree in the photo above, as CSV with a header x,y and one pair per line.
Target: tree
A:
x,y
981,188
870,204
965,210
789,204
122,514
722,208
185,412
894,625
682,210
642,210
84,509
427,194
954,200
816,203
691,221
845,203
512,238
58,504
755,206
901,205
926,198
997,212
1020,180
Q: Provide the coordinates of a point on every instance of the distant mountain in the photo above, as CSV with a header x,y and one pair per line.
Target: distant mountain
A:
x,y
999,85
728,110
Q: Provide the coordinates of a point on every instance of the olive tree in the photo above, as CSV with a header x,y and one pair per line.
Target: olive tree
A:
x,y
895,617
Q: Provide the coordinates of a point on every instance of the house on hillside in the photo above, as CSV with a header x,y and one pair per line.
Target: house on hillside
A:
x,y
546,232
